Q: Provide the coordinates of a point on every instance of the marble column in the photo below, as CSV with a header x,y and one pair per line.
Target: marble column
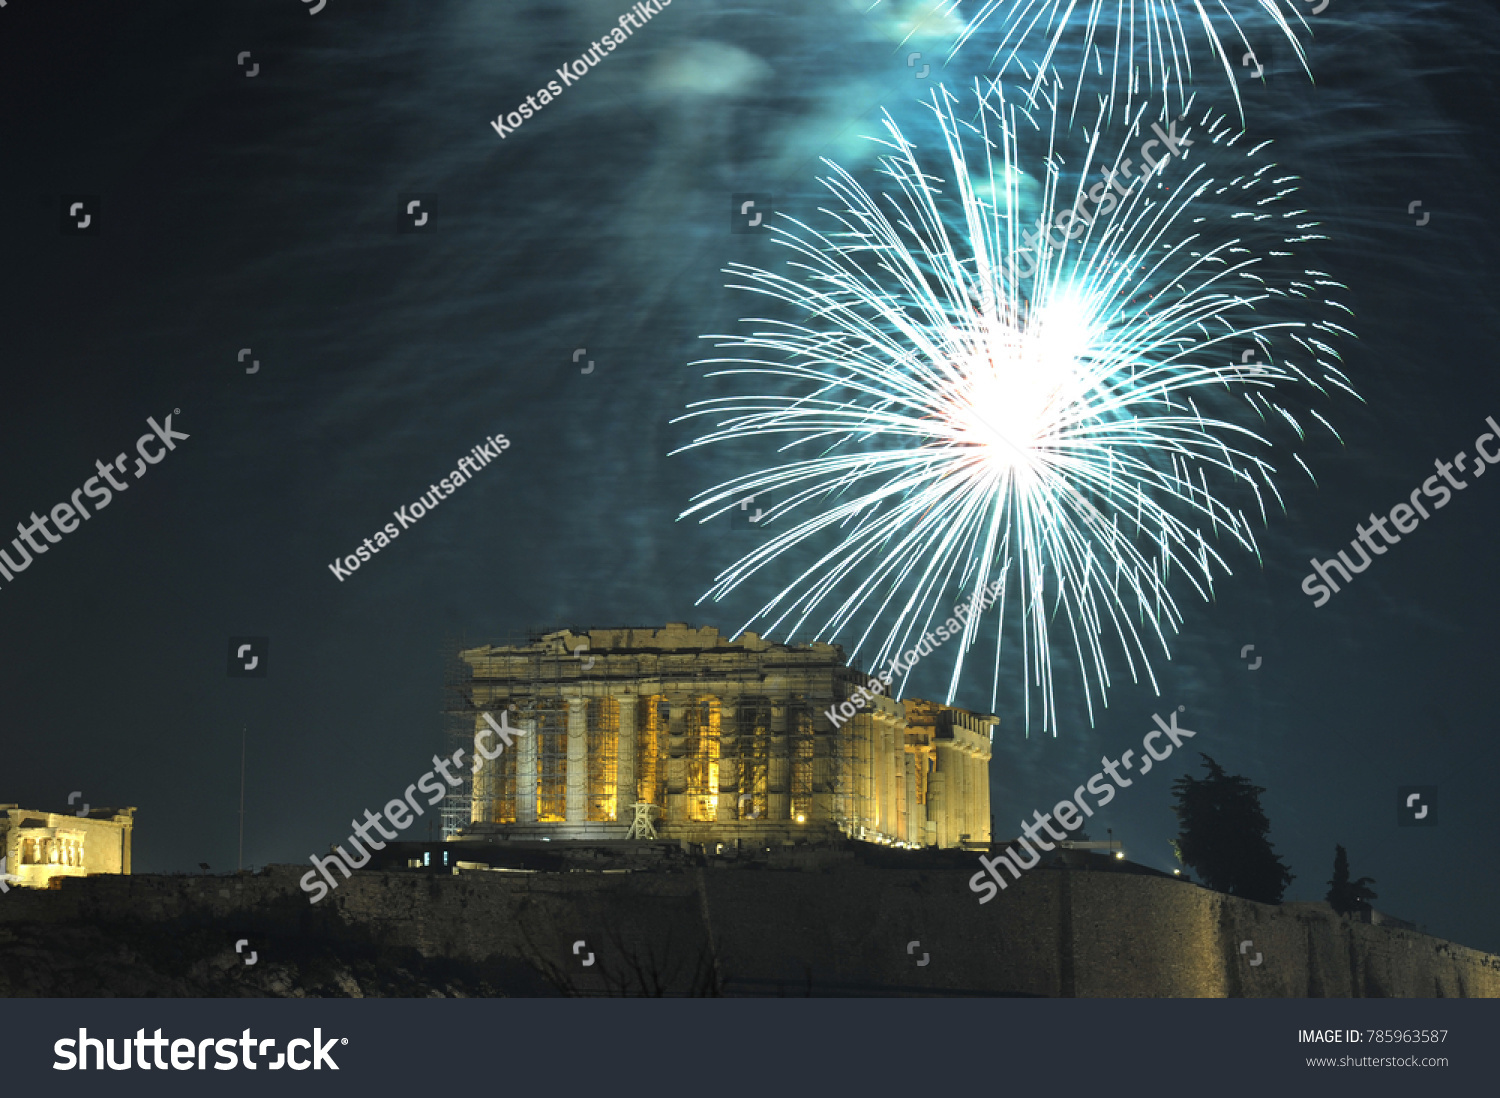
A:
x,y
676,761
887,756
864,749
916,815
985,829
937,794
727,810
823,760
963,759
526,773
625,791
577,776
976,783
779,767
482,802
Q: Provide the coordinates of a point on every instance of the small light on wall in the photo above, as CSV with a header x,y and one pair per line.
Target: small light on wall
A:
x,y
801,818
1177,873
1119,855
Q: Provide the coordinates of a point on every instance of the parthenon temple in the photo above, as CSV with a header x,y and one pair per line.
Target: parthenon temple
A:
x,y
679,734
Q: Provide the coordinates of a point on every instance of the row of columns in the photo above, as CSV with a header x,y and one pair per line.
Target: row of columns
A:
x,y
53,850
957,802
527,748
883,787
959,793
893,780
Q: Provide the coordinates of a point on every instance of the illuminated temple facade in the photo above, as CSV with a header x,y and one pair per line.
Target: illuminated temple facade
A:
x,y
37,847
723,739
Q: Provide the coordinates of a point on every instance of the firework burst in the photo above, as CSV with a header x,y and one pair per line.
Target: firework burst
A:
x,y
962,406
1129,43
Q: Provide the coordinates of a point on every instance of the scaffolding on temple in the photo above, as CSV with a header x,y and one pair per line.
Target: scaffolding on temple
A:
x,y
722,737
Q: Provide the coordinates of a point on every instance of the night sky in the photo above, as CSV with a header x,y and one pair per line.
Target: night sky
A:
x,y
262,212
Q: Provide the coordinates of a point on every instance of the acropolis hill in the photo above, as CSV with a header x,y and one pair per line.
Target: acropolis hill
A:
x,y
767,850
835,920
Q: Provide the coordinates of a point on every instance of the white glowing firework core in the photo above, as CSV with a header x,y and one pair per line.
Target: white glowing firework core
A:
x,y
1016,392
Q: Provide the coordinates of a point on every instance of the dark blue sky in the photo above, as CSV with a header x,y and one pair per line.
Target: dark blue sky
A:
x,y
261,212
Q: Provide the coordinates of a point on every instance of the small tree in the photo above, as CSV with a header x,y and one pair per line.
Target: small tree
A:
x,y
1346,896
1224,835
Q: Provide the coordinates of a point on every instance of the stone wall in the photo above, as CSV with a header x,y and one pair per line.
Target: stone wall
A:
x,y
832,925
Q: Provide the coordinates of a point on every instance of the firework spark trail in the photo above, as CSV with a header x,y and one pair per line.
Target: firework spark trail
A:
x,y
1164,30
961,422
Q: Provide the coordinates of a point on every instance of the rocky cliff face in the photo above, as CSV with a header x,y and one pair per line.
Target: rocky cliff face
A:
x,y
835,924
132,960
